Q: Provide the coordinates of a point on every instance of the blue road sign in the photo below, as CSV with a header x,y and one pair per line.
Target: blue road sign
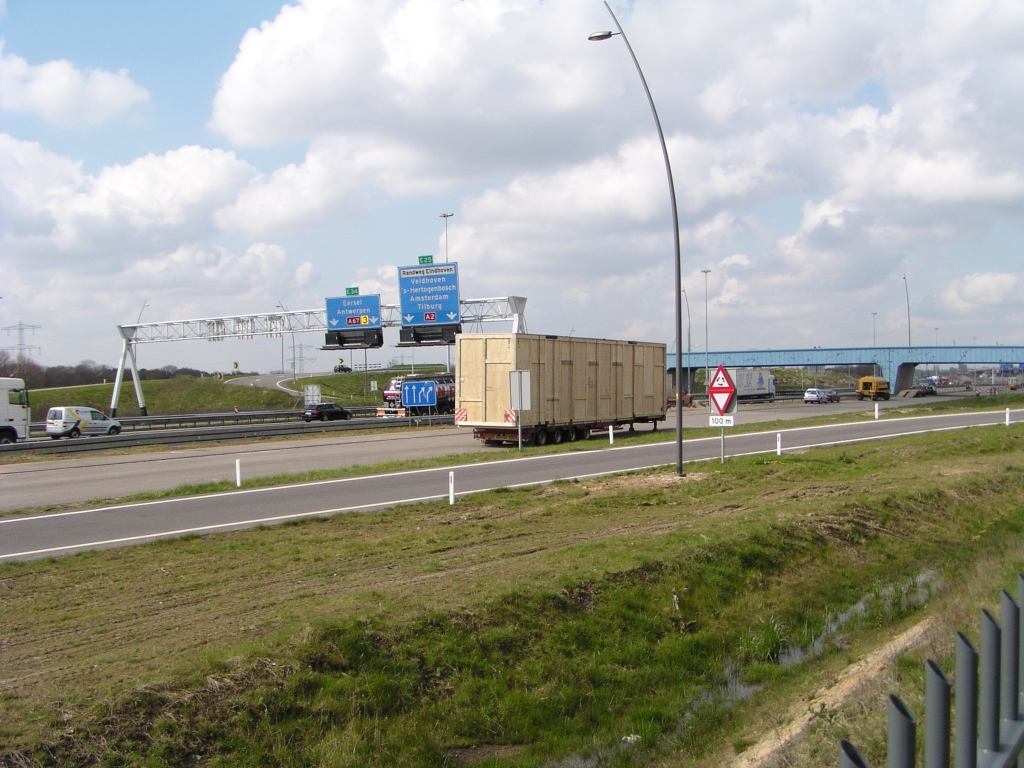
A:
x,y
429,295
419,393
353,313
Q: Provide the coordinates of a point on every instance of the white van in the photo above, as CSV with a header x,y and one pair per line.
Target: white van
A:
x,y
75,420
14,411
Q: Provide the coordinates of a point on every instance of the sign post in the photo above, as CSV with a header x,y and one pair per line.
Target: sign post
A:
x,y
519,398
722,394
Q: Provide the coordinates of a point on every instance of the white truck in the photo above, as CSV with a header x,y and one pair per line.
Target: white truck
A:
x,y
14,411
753,384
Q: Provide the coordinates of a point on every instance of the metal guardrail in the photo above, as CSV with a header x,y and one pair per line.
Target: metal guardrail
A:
x,y
139,423
216,434
993,738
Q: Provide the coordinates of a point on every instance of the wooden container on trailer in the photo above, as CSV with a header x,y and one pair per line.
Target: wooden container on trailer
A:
x,y
577,385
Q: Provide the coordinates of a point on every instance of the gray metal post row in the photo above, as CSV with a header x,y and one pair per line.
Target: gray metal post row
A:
x,y
989,723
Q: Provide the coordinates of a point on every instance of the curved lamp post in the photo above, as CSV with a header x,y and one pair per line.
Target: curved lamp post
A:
x,y
675,235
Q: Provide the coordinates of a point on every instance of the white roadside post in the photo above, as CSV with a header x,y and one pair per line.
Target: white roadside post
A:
x,y
1007,417
778,444
611,435
238,473
451,489
519,398
876,411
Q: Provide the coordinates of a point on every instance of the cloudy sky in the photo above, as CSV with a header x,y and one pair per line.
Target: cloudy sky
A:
x,y
215,158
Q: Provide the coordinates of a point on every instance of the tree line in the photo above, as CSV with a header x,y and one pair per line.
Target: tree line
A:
x,y
38,376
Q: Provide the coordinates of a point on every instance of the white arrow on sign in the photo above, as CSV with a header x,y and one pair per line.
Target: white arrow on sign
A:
x,y
452,315
334,322
408,318
373,319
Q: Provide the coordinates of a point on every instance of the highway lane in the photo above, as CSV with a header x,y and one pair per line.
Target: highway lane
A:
x,y
67,532
85,477
81,478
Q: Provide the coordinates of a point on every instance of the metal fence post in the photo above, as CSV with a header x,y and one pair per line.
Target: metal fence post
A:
x,y
850,756
1010,617
936,717
988,732
966,703
902,734
1020,634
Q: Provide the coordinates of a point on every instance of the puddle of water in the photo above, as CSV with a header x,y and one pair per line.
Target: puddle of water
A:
x,y
910,594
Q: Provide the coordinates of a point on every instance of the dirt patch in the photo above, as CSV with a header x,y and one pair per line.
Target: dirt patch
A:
x,y
848,682
477,753
821,492
658,481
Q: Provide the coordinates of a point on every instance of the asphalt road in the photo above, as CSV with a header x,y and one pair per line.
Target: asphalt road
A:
x,y
82,478
67,532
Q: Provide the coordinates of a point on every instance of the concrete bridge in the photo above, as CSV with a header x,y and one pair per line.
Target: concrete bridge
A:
x,y
897,363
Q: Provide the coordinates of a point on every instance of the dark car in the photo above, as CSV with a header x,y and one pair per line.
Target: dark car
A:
x,y
342,369
325,412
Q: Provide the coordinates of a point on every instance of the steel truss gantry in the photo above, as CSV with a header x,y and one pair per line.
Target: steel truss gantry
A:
x,y
276,324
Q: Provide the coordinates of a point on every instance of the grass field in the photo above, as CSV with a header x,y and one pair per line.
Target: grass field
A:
x,y
514,628
186,394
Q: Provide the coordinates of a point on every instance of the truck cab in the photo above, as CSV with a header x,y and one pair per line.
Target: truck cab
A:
x,y
14,411
872,388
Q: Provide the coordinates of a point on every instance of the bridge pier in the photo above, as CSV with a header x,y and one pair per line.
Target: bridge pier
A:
x,y
904,377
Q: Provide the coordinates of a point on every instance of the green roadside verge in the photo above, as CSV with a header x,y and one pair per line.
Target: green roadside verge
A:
x,y
516,628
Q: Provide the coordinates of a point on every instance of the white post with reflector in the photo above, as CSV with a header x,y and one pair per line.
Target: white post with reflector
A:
x,y
451,489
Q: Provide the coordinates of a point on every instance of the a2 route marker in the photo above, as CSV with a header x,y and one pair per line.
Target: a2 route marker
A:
x,y
722,394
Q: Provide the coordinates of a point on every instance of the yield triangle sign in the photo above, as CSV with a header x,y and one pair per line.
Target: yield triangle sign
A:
x,y
722,391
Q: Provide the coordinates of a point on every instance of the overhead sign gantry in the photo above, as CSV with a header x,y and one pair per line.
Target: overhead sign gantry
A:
x,y
276,324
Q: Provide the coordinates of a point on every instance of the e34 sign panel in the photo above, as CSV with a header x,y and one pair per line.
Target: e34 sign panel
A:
x,y
429,295
353,313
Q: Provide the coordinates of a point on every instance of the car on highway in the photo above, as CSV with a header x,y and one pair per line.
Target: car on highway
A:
x,y
831,396
342,369
815,396
75,420
325,412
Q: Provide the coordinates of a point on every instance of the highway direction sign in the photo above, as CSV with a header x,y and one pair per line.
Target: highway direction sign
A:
x,y
722,392
421,393
429,295
353,313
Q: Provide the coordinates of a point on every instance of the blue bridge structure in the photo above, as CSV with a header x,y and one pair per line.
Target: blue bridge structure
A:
x,y
896,363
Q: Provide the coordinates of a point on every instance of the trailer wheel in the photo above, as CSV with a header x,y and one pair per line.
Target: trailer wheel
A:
x,y
540,436
558,436
585,433
572,434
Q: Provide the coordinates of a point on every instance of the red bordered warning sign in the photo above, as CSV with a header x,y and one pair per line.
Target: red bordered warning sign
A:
x,y
722,392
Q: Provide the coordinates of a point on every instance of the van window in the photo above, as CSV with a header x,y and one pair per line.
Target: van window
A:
x,y
17,397
55,414
97,416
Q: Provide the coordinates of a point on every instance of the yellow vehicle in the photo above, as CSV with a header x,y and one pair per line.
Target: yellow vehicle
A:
x,y
872,388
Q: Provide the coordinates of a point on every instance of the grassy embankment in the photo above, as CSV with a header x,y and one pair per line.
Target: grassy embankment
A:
x,y
398,639
186,394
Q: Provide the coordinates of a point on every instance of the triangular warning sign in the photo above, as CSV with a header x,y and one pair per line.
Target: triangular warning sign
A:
x,y
721,401
720,380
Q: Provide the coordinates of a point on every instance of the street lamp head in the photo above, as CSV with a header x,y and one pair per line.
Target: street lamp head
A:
x,y
445,215
601,35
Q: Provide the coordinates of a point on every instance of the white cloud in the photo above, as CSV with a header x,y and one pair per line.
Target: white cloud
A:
x,y
60,93
156,199
983,291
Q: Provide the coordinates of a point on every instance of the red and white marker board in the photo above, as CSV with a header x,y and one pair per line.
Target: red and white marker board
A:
x,y
722,392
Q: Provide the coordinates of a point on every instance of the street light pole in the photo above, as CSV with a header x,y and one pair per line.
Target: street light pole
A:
x,y
707,367
689,382
909,343
675,236
447,347
874,343
446,216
